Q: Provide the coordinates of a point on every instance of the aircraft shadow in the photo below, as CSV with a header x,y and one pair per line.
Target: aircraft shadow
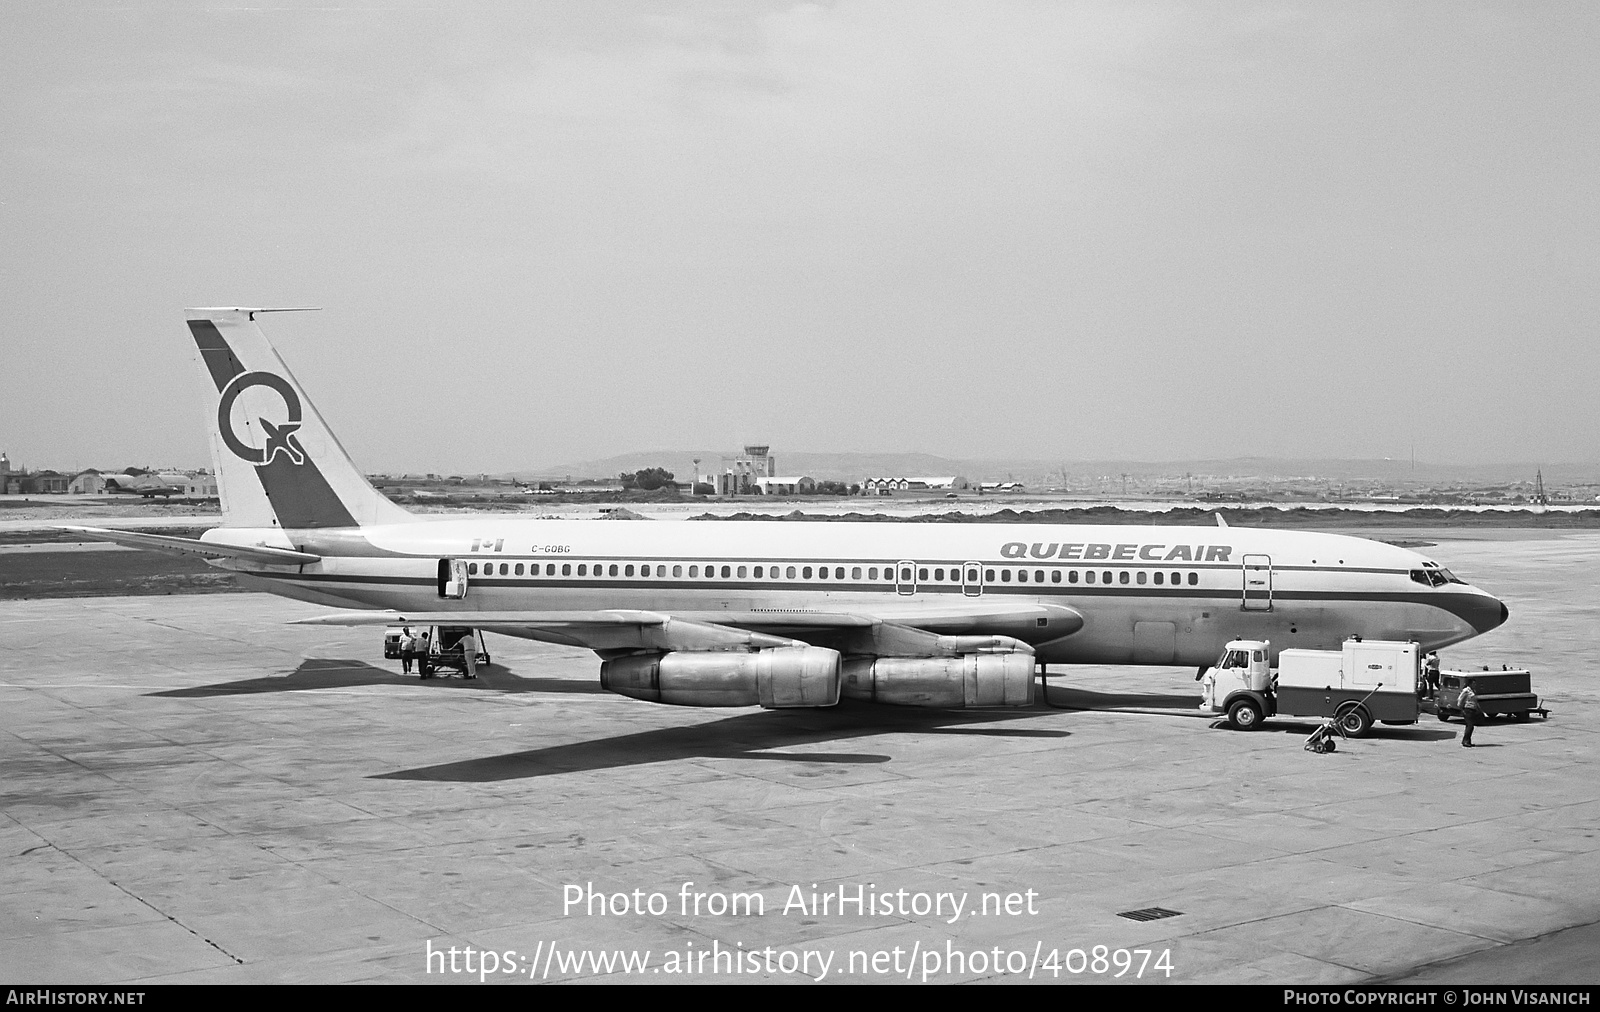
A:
x,y
336,673
1071,698
745,736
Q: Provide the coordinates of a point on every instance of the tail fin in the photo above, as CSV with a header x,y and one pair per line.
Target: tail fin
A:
x,y
278,465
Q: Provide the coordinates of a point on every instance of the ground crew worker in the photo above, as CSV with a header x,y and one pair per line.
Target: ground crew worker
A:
x,y
1431,673
1467,703
421,648
408,650
469,653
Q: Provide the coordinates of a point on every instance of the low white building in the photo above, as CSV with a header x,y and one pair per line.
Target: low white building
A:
x,y
891,486
788,485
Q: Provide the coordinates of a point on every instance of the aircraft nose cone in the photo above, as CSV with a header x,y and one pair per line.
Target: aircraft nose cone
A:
x,y
1489,613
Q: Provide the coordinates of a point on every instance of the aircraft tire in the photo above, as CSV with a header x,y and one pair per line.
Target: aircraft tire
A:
x,y
1245,714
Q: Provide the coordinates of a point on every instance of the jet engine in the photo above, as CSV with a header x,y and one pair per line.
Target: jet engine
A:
x,y
966,680
773,678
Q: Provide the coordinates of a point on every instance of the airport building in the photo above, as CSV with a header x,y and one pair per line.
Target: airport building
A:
x,y
891,486
788,485
744,474
90,482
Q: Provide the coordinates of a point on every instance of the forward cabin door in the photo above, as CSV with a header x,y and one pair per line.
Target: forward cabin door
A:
x,y
1257,582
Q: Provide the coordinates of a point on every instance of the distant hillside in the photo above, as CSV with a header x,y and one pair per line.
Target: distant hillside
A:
x,y
1038,473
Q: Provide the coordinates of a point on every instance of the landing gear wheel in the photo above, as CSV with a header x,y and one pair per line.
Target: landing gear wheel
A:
x,y
1328,745
1444,716
1354,720
1245,714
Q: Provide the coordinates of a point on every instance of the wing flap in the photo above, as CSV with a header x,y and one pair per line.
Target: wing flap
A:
x,y
616,630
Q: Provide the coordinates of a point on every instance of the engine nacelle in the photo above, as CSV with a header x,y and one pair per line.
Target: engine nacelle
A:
x,y
951,682
774,678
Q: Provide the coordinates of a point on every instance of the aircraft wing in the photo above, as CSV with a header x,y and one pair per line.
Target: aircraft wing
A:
x,y
191,546
894,630
619,629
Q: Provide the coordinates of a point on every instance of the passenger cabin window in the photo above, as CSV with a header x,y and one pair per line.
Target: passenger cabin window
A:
x,y
855,572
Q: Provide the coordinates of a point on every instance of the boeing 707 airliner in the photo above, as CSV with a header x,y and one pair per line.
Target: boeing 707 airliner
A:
x,y
732,613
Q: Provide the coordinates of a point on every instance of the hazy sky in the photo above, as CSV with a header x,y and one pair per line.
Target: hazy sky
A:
x,y
546,232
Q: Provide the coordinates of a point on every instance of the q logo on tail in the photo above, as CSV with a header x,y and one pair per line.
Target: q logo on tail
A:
x,y
280,435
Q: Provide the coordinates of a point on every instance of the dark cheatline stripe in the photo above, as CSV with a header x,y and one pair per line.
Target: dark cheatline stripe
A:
x,y
219,358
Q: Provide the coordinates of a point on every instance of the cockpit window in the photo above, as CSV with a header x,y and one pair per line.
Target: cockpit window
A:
x,y
1433,577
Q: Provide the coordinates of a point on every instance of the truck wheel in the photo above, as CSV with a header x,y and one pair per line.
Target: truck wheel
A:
x,y
1245,714
1354,720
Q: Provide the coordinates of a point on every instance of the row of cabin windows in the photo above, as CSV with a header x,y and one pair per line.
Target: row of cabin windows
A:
x,y
1123,576
924,574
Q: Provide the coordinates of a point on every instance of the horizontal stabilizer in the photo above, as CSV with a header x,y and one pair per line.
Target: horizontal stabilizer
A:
x,y
190,546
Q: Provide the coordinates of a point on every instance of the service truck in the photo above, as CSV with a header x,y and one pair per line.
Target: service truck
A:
x,y
1366,681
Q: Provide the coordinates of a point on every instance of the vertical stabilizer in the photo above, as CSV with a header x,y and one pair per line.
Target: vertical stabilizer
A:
x,y
278,465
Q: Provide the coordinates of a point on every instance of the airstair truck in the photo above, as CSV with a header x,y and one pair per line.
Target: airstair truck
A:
x,y
1366,681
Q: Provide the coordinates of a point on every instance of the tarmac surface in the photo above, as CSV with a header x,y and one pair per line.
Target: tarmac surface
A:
x,y
195,791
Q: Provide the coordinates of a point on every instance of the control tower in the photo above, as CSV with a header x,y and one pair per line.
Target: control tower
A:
x,y
742,472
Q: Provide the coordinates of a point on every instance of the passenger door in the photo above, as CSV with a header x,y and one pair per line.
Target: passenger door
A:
x,y
1256,576
905,577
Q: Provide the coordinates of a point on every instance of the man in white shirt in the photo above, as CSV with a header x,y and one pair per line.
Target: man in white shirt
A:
x,y
1467,703
408,650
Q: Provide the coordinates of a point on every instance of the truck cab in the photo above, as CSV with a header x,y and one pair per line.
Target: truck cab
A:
x,y
1240,683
